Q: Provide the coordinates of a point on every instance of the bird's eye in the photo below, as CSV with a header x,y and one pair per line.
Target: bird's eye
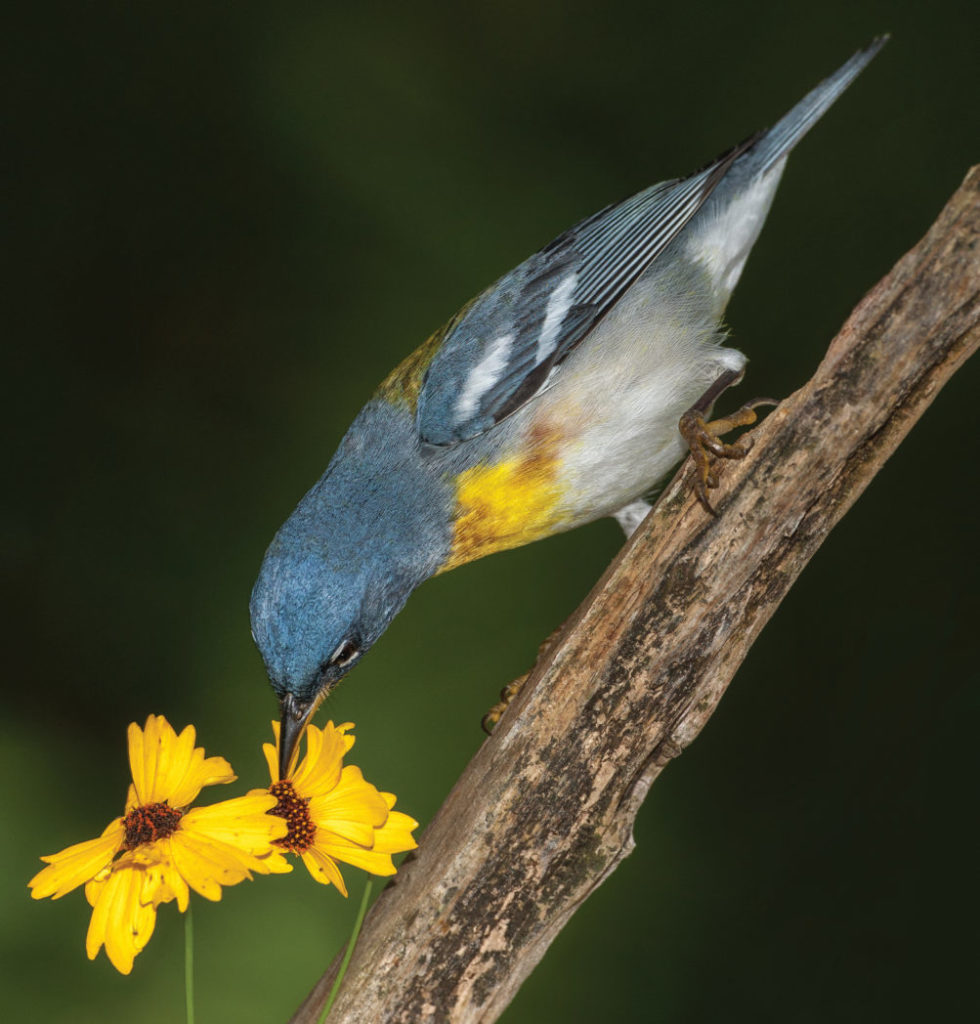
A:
x,y
344,654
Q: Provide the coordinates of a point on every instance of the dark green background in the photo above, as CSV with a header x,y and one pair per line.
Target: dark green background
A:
x,y
229,221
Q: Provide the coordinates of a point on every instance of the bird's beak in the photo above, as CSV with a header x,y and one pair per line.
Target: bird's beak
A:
x,y
295,715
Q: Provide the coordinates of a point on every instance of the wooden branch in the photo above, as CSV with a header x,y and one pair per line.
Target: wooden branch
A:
x,y
545,810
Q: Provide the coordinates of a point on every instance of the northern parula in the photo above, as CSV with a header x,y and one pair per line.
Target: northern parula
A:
x,y
562,393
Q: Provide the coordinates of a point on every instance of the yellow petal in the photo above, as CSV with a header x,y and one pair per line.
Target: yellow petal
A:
x,y
322,869
350,853
163,882
320,770
134,737
207,863
168,767
314,768
78,864
274,863
152,860
348,740
357,832
94,888
201,771
120,920
174,755
146,748
242,822
395,835
352,801
204,867
301,773
272,756
271,752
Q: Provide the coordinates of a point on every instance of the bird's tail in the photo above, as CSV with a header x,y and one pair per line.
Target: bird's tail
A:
x,y
787,132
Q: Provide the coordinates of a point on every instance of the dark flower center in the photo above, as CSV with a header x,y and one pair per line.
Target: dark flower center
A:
x,y
296,810
150,822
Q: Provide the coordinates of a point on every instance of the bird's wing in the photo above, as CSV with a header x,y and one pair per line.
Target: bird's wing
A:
x,y
500,351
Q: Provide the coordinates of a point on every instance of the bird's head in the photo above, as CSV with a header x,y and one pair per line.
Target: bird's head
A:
x,y
343,564
312,620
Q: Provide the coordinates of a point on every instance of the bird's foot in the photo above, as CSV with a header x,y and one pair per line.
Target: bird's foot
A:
x,y
512,689
507,694
704,440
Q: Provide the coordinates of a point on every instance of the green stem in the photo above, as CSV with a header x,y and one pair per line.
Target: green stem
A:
x,y
348,953
189,963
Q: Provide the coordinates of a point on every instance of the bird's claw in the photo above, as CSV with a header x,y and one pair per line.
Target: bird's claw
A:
x,y
513,688
507,694
704,440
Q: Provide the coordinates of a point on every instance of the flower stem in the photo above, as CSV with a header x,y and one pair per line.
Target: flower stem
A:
x,y
348,953
189,964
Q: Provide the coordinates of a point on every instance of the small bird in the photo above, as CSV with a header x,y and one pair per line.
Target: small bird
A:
x,y
562,393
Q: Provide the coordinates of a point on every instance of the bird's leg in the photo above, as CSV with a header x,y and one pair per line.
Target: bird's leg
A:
x,y
513,688
630,516
704,438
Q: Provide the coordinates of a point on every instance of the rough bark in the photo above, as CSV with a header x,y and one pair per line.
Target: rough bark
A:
x,y
545,810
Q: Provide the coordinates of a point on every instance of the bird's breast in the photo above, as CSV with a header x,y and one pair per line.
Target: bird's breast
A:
x,y
510,500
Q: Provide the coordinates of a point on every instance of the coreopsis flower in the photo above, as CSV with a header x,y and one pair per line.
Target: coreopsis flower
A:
x,y
332,812
159,850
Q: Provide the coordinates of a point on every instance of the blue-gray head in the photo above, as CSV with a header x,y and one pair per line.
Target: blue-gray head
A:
x,y
343,564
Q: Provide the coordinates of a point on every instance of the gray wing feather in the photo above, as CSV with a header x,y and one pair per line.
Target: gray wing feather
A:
x,y
502,350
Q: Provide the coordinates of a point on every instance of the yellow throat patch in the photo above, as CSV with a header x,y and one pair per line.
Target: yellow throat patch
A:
x,y
507,504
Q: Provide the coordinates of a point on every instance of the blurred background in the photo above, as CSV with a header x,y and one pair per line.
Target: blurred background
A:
x,y
228,222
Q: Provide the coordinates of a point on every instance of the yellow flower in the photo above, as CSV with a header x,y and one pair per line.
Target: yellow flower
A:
x,y
332,812
159,850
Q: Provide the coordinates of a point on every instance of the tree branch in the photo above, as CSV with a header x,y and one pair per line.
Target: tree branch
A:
x,y
545,810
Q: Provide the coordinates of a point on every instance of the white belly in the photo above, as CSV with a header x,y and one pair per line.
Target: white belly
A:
x,y
618,398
